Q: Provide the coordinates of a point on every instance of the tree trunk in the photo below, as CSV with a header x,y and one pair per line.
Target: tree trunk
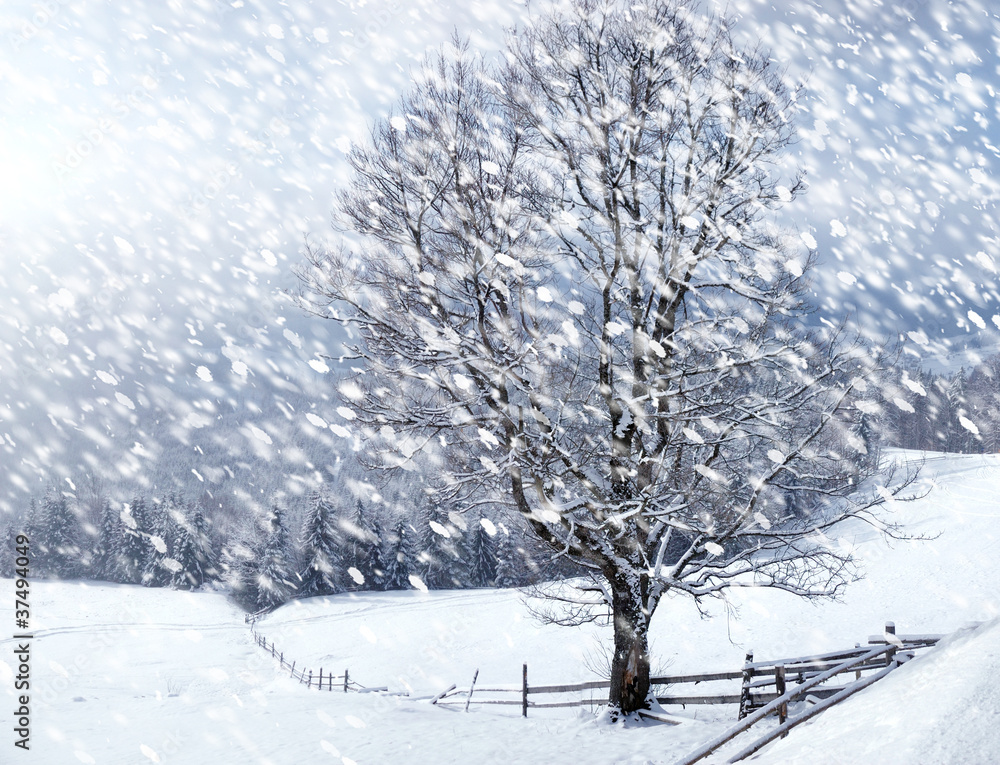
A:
x,y
630,663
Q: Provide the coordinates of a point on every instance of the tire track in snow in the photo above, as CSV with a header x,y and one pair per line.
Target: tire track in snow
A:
x,y
433,603
101,629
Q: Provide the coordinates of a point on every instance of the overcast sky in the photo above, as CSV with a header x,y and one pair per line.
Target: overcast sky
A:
x,y
161,166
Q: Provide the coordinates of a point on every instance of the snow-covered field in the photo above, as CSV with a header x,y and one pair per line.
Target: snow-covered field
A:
x,y
131,675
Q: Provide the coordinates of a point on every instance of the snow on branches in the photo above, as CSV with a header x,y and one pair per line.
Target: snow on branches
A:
x,y
564,280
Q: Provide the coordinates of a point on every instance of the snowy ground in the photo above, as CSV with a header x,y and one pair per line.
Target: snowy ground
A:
x,y
131,675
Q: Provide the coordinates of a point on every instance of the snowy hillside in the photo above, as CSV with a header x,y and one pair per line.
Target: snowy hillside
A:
x,y
132,675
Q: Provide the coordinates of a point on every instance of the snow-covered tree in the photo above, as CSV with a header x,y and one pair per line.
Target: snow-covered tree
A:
x,y
191,549
482,554
8,533
362,535
322,566
399,557
276,577
240,561
106,562
569,295
507,569
984,401
439,557
962,431
58,535
135,547
372,564
161,526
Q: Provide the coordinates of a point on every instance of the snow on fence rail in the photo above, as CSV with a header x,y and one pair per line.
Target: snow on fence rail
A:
x,y
883,654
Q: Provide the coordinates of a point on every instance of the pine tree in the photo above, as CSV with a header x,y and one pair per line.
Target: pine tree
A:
x,y
363,547
321,550
275,578
135,545
7,554
207,563
190,549
507,570
399,560
106,563
440,564
483,555
961,438
158,571
186,575
59,533
373,564
240,560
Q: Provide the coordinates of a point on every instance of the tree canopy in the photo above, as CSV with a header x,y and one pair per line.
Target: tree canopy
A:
x,y
563,274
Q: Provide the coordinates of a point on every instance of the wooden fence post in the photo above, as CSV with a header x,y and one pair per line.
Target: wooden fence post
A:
x,y
471,688
310,684
293,669
345,681
745,699
524,691
779,688
321,678
890,632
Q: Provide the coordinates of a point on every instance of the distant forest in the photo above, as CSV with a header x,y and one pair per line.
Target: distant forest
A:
x,y
323,543
958,412
265,546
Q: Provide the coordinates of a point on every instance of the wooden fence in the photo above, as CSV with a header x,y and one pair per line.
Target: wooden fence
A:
x,y
765,688
251,619
882,655
327,681
761,683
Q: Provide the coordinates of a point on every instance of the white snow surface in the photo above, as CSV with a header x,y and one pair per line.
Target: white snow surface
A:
x,y
125,674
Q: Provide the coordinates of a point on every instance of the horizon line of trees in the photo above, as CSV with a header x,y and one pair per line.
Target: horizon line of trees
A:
x,y
333,547
315,545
